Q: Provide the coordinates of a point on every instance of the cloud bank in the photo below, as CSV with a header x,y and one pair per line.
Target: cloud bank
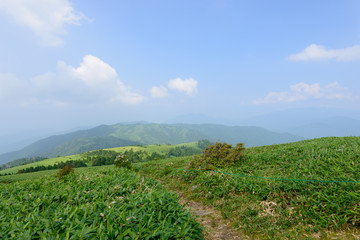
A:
x,y
46,19
302,91
317,52
93,82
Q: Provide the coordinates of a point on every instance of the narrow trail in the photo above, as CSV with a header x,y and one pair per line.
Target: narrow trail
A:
x,y
216,228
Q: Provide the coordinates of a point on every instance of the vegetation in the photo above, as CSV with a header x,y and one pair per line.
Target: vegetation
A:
x,y
183,151
65,170
101,203
5,174
302,190
203,144
120,135
142,156
10,178
45,162
219,155
100,157
298,190
21,161
57,165
107,157
250,136
122,161
81,145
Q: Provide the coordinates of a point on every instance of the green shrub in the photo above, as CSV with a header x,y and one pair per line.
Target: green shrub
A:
x,y
218,155
65,170
122,161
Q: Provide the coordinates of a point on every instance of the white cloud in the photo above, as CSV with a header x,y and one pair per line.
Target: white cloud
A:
x,y
316,52
46,18
93,82
93,71
158,92
303,91
189,86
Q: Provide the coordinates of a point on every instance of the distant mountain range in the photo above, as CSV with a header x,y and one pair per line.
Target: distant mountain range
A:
x,y
305,122
107,136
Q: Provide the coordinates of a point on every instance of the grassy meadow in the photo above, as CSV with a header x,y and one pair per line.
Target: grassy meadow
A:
x,y
101,203
46,162
159,148
268,194
303,190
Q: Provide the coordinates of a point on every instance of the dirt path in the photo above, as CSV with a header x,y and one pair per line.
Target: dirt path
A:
x,y
217,228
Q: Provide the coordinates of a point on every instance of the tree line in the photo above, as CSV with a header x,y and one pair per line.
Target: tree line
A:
x,y
107,157
21,161
58,165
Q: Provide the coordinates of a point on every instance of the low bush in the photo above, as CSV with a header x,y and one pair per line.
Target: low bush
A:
x,y
122,161
65,170
218,155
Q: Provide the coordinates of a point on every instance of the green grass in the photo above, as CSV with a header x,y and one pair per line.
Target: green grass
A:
x,y
46,162
163,148
279,209
93,203
39,174
26,176
159,148
265,195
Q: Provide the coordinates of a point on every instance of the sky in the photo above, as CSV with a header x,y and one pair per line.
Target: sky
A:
x,y
75,63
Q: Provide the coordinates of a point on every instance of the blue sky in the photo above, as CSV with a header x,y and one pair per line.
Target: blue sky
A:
x,y
69,63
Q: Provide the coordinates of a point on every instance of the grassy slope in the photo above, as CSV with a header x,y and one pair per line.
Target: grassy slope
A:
x,y
160,148
96,203
46,162
269,208
36,175
149,148
26,176
155,133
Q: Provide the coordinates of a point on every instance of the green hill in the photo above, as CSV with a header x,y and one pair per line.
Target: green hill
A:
x,y
299,190
250,135
108,136
161,149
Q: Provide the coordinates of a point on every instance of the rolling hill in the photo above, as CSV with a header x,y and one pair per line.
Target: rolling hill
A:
x,y
107,136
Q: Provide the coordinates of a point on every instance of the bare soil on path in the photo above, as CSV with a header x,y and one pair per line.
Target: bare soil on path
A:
x,y
216,228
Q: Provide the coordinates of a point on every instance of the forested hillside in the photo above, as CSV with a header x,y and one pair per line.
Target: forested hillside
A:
x,y
108,136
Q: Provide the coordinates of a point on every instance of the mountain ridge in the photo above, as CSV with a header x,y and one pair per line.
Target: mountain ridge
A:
x,y
117,135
